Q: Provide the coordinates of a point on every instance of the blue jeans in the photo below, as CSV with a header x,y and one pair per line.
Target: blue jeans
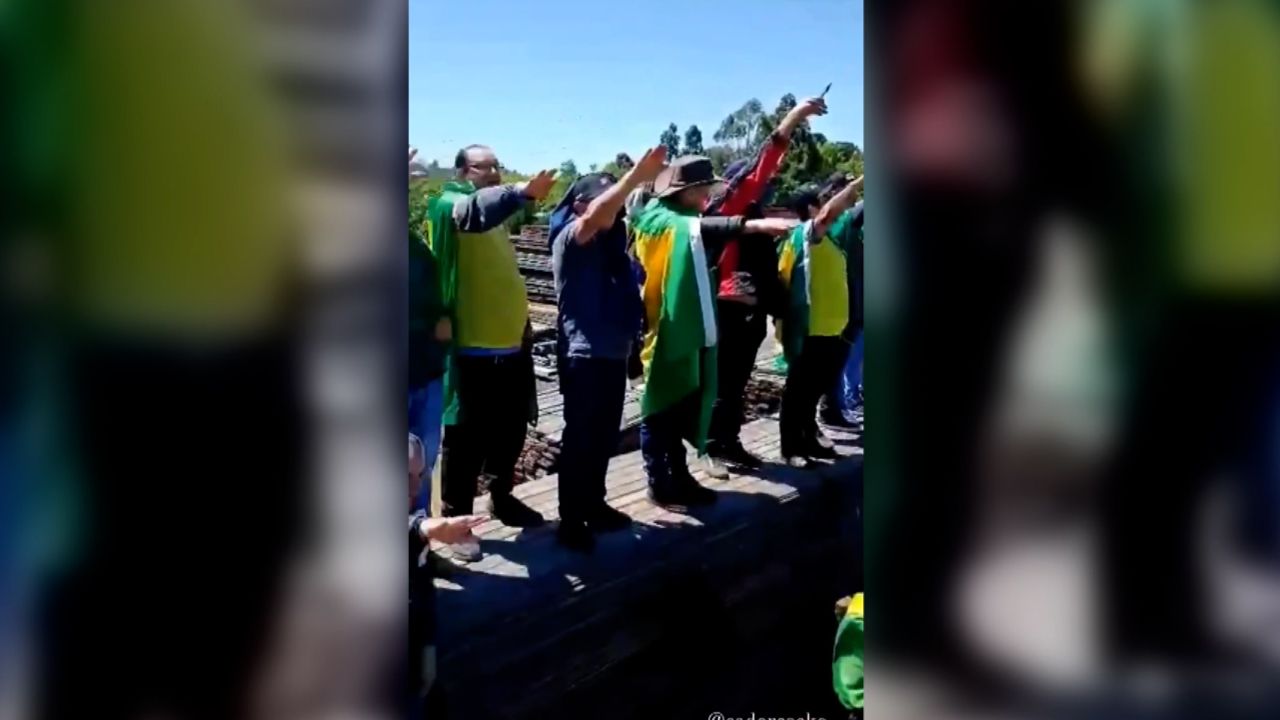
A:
x,y
426,409
662,437
845,392
594,390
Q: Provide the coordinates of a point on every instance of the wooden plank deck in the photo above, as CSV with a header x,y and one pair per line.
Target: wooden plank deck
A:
x,y
531,623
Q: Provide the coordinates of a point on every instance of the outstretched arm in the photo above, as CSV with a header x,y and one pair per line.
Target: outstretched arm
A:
x,y
748,187
487,208
602,211
840,202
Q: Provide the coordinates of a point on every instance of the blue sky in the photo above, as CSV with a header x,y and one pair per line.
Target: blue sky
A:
x,y
542,82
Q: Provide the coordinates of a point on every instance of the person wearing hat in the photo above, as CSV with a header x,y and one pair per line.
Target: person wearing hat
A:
x,y
489,389
813,264
748,289
599,317
673,242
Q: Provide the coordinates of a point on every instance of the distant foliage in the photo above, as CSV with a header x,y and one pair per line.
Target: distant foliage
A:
x,y
812,158
693,141
671,138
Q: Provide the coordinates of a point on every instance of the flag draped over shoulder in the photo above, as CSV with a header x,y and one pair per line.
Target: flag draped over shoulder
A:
x,y
679,353
794,255
443,239
847,669
793,268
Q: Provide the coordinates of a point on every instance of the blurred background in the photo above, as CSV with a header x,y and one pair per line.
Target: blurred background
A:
x,y
200,449
1073,263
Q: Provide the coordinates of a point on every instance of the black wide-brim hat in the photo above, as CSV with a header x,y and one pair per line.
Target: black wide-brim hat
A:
x,y
684,172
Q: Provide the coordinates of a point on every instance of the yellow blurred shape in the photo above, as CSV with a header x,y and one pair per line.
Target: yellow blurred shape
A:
x,y
179,185
1232,188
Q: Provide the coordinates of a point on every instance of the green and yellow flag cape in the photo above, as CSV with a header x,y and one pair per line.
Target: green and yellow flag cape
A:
x,y
679,352
847,671
443,239
793,268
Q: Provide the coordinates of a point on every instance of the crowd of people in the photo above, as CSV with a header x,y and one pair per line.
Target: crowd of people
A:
x,y
668,272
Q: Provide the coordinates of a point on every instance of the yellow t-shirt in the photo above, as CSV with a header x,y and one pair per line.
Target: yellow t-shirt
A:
x,y
492,305
828,288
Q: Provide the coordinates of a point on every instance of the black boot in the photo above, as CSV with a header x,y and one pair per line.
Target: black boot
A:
x,y
511,512
735,454
605,519
576,536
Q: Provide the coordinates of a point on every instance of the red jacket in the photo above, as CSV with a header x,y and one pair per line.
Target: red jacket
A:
x,y
739,195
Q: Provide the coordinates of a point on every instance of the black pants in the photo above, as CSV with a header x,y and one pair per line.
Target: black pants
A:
x,y
808,378
493,394
190,472
1154,491
662,437
594,391
741,328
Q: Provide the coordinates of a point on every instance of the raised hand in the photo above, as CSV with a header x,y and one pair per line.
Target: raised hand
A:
x,y
415,171
539,185
811,106
651,163
800,113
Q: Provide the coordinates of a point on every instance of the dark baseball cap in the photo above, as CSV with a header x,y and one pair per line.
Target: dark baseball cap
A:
x,y
591,186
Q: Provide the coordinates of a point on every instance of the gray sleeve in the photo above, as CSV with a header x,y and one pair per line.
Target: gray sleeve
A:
x,y
487,208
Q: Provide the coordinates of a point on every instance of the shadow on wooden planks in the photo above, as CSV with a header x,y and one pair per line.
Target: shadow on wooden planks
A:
x,y
730,603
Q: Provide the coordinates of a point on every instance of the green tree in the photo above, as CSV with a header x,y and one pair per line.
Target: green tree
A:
x,y
738,131
721,156
693,141
671,138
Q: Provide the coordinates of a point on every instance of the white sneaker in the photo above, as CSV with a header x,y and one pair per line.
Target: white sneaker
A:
x,y
715,468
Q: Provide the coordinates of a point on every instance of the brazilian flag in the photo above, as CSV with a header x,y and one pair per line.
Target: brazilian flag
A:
x,y
679,353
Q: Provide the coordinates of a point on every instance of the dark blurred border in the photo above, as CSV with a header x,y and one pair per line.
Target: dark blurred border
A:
x,y
203,355
1073,485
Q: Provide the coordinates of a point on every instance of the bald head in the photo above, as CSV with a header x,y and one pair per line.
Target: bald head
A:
x,y
478,165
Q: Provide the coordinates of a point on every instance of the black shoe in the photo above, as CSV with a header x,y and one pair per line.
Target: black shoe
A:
x,y
576,536
606,519
681,497
836,418
513,513
697,495
736,454
819,452
666,498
